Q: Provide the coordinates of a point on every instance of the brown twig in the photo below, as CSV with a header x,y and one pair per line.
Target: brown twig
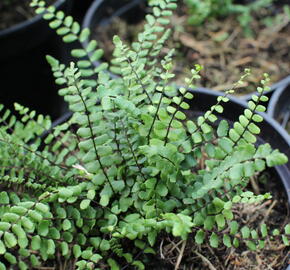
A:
x,y
269,211
160,248
205,260
174,246
180,255
255,186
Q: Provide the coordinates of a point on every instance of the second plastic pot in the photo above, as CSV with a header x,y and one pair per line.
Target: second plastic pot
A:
x,y
26,77
26,35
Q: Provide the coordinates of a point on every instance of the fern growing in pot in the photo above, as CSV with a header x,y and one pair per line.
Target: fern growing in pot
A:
x,y
128,167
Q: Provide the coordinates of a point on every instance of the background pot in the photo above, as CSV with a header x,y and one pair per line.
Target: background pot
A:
x,y
26,35
26,77
102,12
279,105
80,8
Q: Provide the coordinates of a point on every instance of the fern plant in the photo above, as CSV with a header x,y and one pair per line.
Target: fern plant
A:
x,y
99,190
200,11
216,8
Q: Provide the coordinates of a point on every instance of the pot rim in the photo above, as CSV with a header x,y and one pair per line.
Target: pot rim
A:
x,y
87,21
243,103
273,103
273,90
282,170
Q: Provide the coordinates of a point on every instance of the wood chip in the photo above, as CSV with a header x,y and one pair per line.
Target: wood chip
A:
x,y
189,41
242,61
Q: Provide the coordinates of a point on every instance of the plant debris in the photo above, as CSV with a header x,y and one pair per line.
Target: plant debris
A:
x,y
221,46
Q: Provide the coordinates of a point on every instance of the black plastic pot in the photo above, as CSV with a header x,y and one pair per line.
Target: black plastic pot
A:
x,y
80,8
279,105
26,77
26,35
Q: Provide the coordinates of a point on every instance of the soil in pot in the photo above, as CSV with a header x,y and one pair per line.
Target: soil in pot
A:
x,y
220,45
16,11
275,255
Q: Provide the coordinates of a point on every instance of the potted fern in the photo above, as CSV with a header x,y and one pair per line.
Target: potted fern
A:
x,y
130,168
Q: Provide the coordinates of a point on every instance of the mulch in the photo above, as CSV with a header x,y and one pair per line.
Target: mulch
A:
x,y
220,46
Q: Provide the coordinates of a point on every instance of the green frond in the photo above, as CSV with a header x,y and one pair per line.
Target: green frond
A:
x,y
130,164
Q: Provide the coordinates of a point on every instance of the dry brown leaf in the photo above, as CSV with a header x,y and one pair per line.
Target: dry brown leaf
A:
x,y
190,42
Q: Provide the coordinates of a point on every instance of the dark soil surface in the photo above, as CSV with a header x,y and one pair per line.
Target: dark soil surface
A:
x,y
221,46
16,11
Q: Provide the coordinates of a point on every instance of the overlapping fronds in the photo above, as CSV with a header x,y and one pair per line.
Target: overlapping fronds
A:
x,y
99,189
